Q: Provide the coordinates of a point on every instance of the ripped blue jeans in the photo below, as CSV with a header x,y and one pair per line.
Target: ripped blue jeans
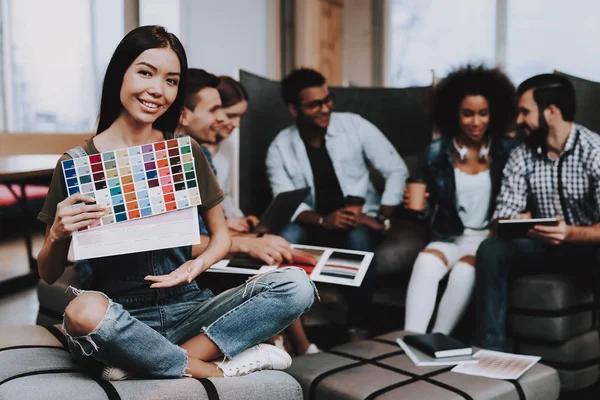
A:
x,y
146,340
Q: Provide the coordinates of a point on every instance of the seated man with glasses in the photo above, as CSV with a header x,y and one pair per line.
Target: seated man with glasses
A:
x,y
329,152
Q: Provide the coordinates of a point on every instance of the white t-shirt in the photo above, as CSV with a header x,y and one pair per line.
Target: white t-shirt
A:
x,y
222,162
473,194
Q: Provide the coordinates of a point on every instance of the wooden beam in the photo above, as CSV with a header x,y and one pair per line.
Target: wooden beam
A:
x,y
318,33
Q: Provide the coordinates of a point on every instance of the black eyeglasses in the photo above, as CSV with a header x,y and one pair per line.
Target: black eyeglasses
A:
x,y
317,104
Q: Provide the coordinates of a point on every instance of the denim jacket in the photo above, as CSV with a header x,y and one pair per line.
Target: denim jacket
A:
x,y
438,173
352,142
122,277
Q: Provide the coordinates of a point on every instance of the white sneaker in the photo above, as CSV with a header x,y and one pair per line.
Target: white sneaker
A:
x,y
312,349
115,374
256,358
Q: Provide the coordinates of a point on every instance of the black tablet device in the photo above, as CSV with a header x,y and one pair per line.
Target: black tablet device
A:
x,y
518,228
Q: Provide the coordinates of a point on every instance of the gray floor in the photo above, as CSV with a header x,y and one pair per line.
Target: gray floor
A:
x,y
19,308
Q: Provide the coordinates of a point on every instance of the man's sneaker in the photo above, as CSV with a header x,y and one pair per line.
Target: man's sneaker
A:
x,y
115,374
256,358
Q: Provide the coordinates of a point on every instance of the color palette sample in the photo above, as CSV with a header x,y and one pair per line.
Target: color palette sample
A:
x,y
342,265
138,181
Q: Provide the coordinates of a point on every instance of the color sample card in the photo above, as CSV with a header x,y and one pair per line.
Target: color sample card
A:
x,y
342,265
337,266
498,365
138,181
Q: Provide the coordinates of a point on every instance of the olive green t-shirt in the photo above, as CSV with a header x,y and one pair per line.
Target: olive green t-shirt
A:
x,y
210,191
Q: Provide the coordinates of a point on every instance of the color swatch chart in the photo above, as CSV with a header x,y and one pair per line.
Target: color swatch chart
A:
x,y
137,182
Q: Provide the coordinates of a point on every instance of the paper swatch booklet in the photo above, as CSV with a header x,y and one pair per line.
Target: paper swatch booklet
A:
x,y
153,188
438,345
138,181
322,264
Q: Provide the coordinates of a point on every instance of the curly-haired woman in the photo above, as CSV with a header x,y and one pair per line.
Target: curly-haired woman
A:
x,y
473,107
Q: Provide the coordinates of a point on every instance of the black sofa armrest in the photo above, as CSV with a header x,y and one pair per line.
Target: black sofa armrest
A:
x,y
400,247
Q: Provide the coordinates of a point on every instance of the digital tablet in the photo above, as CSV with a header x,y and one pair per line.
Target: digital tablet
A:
x,y
518,228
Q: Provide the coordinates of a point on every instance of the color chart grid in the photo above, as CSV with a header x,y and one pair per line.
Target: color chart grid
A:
x,y
137,182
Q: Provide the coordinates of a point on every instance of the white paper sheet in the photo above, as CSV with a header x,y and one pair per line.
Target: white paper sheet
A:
x,y
172,229
498,365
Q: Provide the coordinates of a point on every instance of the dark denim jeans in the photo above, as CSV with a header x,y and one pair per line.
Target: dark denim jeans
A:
x,y
498,261
362,238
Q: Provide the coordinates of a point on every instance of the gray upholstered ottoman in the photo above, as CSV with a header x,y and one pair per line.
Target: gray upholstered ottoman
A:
x,y
552,316
379,369
35,365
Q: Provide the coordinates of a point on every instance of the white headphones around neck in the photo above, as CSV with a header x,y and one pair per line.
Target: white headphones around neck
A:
x,y
463,152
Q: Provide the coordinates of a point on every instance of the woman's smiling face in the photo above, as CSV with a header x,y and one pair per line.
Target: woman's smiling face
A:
x,y
474,117
150,85
233,116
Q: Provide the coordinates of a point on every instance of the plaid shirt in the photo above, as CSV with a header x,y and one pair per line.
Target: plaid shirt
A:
x,y
568,187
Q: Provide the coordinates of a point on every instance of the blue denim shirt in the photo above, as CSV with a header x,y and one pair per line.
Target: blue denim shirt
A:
x,y
352,142
438,172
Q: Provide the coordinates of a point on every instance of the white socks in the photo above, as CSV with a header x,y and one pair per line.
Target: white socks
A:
x,y
456,297
427,273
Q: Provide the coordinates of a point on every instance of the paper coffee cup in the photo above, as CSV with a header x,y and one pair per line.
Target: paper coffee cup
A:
x,y
354,204
416,195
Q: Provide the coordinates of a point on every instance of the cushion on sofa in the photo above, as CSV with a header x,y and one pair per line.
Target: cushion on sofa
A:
x,y
553,327
378,368
550,308
577,359
35,365
578,351
549,292
576,379
397,252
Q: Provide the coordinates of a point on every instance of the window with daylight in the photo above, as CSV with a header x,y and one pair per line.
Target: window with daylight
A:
x,y
548,35
54,54
430,37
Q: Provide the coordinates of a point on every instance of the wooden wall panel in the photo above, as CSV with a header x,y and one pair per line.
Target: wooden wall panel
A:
x,y
318,35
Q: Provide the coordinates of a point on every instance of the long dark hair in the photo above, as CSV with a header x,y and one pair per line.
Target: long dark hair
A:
x,y
131,46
